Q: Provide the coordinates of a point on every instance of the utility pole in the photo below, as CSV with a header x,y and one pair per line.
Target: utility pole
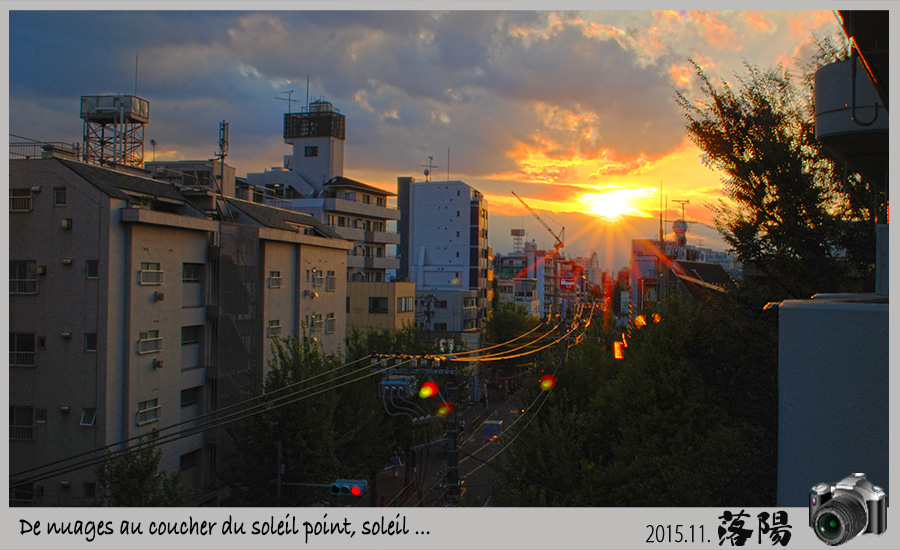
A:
x,y
452,477
278,481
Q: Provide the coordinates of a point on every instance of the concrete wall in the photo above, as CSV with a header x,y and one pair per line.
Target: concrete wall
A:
x,y
832,395
359,294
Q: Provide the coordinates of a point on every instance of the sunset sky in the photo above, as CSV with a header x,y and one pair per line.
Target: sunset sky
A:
x,y
575,111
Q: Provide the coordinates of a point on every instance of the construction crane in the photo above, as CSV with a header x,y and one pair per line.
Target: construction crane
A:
x,y
559,238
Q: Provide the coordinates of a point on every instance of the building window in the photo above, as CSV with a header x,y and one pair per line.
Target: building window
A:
x,y
59,196
468,302
440,326
89,489
92,269
191,273
405,304
378,305
441,304
20,200
330,282
315,322
149,342
21,349
341,221
311,151
88,416
274,328
188,460
151,274
23,277
191,396
318,277
90,342
21,423
330,323
274,279
191,335
148,411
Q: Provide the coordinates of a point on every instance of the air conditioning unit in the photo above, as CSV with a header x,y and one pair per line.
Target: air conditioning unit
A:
x,y
157,363
158,296
67,223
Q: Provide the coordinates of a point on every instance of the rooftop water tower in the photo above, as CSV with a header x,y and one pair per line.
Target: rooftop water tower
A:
x,y
114,129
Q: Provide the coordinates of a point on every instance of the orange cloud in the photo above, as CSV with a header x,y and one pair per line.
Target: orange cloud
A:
x,y
756,21
681,75
715,31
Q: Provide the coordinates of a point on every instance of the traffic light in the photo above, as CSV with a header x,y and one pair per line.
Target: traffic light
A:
x,y
428,389
355,487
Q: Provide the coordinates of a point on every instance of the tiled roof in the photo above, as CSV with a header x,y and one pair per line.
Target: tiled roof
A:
x,y
113,183
280,218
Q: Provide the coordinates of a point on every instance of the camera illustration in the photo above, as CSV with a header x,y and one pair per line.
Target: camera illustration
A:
x,y
840,511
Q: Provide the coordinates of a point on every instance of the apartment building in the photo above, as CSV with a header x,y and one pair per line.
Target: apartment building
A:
x,y
444,231
136,305
312,181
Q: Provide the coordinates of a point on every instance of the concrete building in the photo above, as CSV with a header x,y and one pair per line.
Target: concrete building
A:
x,y
381,305
136,305
312,182
522,292
444,251
833,350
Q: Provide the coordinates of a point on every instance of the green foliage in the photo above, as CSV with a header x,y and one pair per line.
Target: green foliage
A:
x,y
508,321
679,422
135,480
336,428
790,208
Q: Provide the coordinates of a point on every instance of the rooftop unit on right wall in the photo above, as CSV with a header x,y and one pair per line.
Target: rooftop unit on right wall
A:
x,y
833,348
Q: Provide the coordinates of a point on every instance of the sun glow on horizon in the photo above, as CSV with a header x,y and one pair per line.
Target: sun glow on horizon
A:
x,y
614,204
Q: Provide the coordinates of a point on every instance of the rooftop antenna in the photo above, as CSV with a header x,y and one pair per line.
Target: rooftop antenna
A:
x,y
307,92
429,168
448,164
660,213
135,72
288,100
683,202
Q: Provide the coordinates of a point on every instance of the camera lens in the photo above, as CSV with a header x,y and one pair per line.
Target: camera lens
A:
x,y
840,519
829,526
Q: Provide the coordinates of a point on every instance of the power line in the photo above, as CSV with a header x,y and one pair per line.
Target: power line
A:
x,y
217,423
192,420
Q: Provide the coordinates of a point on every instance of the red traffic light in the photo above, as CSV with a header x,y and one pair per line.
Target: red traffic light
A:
x,y
445,408
355,487
428,389
547,382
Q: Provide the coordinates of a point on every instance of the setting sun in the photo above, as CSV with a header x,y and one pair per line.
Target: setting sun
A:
x,y
612,205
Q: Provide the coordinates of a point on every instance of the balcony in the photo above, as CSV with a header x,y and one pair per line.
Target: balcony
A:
x,y
384,262
23,286
22,359
345,206
21,204
371,237
21,433
151,277
149,345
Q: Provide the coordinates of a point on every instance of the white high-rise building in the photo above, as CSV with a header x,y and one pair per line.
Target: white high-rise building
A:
x,y
444,230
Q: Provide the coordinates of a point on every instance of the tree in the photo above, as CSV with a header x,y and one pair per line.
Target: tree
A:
x,y
305,429
135,480
656,428
790,209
